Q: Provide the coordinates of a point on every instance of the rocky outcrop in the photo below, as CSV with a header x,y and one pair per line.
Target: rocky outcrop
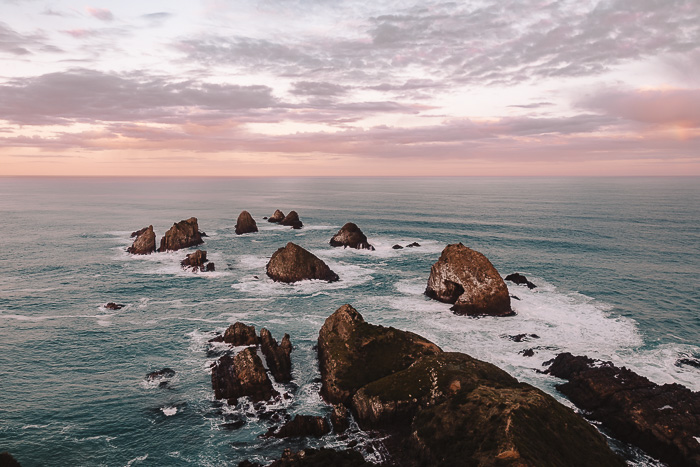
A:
x,y
413,245
293,264
159,374
240,334
663,420
316,458
351,236
6,460
145,242
242,375
520,279
277,217
397,247
197,261
340,418
302,425
292,220
468,280
278,357
114,306
183,234
245,224
441,408
353,353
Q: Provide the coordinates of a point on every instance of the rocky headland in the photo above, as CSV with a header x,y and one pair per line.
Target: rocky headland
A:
x,y
292,263
351,236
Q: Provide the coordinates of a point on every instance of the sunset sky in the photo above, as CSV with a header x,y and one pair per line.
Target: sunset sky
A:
x,y
320,87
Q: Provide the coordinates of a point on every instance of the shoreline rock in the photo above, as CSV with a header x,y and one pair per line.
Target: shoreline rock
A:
x,y
277,217
145,242
198,261
245,224
467,279
293,263
351,236
292,220
183,234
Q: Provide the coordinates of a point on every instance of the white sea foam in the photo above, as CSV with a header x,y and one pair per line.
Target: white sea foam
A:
x,y
169,411
137,459
383,248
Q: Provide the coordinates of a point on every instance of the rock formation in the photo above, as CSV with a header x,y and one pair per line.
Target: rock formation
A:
x,y
397,247
239,334
413,245
293,263
340,418
302,425
351,236
145,242
467,279
242,375
197,261
114,306
277,217
292,220
519,279
663,420
6,460
245,223
183,234
441,408
278,357
159,374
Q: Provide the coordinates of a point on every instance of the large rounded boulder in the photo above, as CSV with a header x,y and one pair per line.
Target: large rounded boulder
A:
x,y
145,242
292,263
245,223
468,280
183,234
351,236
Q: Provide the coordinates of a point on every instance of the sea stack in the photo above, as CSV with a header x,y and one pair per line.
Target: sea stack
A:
x,y
242,375
292,263
277,217
245,223
292,220
145,242
468,280
183,234
198,261
351,236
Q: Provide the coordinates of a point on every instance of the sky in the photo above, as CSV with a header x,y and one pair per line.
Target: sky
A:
x,y
350,88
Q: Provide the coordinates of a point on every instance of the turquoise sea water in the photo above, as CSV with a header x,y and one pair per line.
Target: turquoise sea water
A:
x,y
617,262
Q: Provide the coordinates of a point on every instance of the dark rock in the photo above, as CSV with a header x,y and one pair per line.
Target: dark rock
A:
x,y
351,236
412,245
239,334
264,218
139,232
242,375
663,420
278,357
467,279
218,338
197,261
293,263
145,242
183,234
689,362
292,220
528,353
235,425
340,418
160,374
323,457
245,223
247,463
397,247
521,337
277,217
6,460
353,353
302,425
519,279
114,306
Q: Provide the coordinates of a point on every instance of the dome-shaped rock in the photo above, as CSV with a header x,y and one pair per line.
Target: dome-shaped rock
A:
x,y
145,242
351,236
278,216
292,220
183,234
467,279
293,263
245,223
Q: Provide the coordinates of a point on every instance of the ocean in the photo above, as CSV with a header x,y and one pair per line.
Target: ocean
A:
x,y
616,262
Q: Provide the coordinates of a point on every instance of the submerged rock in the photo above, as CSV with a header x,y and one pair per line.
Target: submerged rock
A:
x,y
277,217
240,334
292,220
159,374
183,234
663,420
242,375
245,223
293,263
519,279
351,236
397,247
278,357
302,425
467,279
197,261
114,306
145,242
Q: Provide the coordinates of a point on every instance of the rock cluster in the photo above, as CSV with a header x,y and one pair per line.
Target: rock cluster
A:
x,y
443,408
145,242
278,357
663,420
468,280
520,279
197,261
351,236
183,234
292,263
291,220
245,224
277,217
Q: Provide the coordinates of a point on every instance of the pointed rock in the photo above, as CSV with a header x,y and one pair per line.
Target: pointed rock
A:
x,y
277,217
240,334
292,220
245,223
242,375
351,236
293,263
278,357
183,234
145,242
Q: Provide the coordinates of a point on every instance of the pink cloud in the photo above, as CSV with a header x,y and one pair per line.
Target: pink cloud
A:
x,y
102,14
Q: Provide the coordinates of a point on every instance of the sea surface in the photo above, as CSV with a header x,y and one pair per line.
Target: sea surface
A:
x,y
616,262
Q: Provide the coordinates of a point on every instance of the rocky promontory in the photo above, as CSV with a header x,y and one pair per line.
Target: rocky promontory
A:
x,y
145,242
292,263
183,234
277,217
245,224
198,261
440,408
468,280
241,375
663,420
292,220
351,236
